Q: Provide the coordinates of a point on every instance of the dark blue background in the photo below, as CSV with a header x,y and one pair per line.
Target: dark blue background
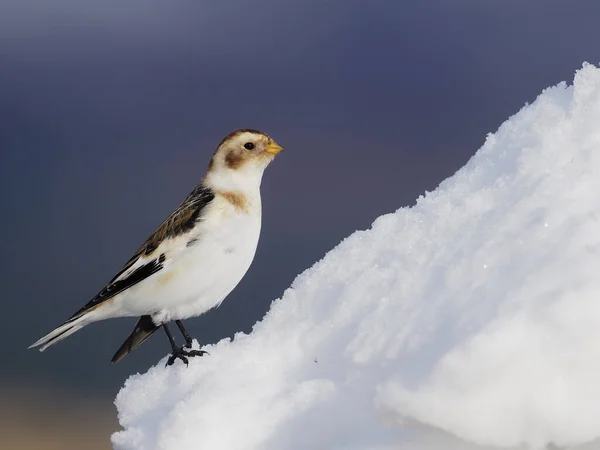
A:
x,y
109,112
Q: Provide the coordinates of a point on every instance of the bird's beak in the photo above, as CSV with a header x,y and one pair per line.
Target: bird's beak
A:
x,y
274,148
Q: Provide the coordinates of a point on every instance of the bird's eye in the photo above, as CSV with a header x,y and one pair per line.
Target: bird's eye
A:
x,y
249,145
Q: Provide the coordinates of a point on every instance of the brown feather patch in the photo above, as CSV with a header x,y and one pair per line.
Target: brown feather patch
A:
x,y
234,160
238,200
166,278
180,221
173,226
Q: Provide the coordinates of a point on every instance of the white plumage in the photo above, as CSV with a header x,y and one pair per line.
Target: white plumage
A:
x,y
198,277
198,254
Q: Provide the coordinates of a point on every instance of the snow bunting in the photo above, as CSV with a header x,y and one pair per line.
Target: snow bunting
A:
x,y
195,258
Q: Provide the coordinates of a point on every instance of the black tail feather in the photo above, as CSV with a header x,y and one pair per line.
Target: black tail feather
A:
x,y
142,331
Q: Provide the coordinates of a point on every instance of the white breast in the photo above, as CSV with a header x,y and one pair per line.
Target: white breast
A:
x,y
198,276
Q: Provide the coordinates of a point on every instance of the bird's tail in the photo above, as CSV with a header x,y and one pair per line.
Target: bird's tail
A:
x,y
75,323
143,330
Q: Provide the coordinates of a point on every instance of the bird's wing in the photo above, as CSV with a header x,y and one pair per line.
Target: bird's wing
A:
x,y
150,258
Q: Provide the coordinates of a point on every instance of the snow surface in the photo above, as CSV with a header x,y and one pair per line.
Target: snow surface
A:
x,y
469,320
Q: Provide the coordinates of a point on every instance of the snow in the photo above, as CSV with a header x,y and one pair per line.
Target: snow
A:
x,y
468,321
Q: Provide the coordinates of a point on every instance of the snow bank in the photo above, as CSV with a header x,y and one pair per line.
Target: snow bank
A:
x,y
471,319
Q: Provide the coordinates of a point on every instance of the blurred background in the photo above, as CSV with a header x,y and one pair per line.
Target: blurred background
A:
x,y
110,111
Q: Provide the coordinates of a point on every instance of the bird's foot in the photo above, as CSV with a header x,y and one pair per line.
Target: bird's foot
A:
x,y
183,355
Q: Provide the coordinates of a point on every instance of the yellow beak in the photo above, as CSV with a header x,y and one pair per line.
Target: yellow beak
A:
x,y
274,148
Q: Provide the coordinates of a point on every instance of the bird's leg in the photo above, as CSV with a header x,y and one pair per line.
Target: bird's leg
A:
x,y
179,352
174,348
186,335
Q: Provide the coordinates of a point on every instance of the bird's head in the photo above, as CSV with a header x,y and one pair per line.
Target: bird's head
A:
x,y
242,156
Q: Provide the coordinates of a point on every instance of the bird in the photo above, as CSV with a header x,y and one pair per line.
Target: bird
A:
x,y
195,257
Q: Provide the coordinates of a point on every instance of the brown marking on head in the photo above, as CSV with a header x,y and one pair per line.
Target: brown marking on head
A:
x,y
234,160
240,148
237,199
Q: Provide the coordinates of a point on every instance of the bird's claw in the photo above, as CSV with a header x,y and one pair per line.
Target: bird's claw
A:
x,y
183,355
174,356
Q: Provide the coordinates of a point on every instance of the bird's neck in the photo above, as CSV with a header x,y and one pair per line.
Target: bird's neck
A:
x,y
246,181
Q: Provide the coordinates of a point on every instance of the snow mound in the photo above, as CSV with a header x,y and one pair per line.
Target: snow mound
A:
x,y
471,319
